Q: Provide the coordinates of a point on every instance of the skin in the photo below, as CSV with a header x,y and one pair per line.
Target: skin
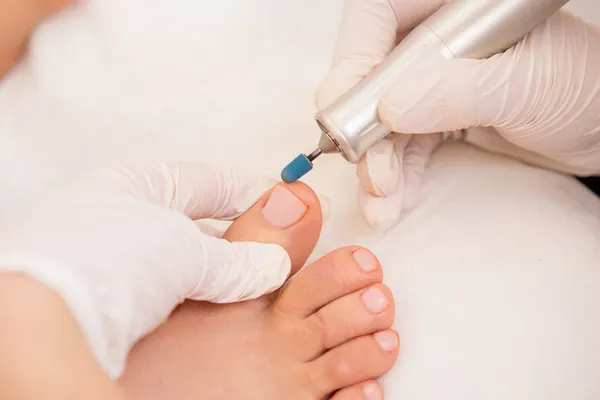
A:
x,y
312,339
304,346
18,20
58,360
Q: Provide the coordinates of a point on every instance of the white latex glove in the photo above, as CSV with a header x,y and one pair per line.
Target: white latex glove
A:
x,y
390,173
123,250
542,96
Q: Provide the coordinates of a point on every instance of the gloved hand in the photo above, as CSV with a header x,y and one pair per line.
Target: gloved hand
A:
x,y
123,249
542,96
389,173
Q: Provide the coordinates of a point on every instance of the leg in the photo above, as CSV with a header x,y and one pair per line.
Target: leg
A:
x,y
17,20
326,332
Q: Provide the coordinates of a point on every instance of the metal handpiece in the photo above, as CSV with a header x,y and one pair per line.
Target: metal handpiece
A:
x,y
463,29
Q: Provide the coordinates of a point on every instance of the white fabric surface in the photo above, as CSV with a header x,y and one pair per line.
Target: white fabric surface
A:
x,y
495,275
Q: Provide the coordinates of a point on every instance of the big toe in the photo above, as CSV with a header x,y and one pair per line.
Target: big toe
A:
x,y
288,215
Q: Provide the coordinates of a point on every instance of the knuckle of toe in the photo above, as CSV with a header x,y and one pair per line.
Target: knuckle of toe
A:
x,y
334,270
342,259
345,282
325,268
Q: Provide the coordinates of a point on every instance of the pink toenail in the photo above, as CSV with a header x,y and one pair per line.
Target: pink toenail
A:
x,y
387,340
283,209
365,260
374,300
372,392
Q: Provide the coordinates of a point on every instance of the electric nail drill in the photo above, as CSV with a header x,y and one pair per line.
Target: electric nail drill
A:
x,y
474,29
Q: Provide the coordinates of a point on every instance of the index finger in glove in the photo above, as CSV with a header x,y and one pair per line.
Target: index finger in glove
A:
x,y
369,31
198,190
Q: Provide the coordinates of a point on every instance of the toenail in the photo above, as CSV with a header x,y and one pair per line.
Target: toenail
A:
x,y
372,392
374,300
365,260
283,209
387,340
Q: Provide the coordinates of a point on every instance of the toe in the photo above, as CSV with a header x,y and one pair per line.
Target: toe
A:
x,y
370,390
362,359
288,215
361,313
337,274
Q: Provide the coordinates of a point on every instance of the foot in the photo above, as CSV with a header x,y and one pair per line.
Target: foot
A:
x,y
326,333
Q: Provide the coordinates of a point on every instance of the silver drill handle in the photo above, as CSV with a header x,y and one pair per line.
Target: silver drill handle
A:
x,y
462,29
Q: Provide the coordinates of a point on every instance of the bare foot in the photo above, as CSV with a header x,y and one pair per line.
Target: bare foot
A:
x,y
326,333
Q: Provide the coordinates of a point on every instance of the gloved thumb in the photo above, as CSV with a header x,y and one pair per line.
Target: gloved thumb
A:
x,y
447,96
239,271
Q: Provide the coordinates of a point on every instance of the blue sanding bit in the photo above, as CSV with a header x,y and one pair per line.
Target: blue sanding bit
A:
x,y
299,166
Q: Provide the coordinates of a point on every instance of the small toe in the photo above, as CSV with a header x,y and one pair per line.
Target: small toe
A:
x,y
370,390
361,313
337,274
362,359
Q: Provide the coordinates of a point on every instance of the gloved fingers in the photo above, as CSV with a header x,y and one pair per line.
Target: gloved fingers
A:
x,y
448,96
197,190
381,189
366,35
379,170
210,230
416,156
402,184
342,78
372,28
381,212
410,13
367,30
238,271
